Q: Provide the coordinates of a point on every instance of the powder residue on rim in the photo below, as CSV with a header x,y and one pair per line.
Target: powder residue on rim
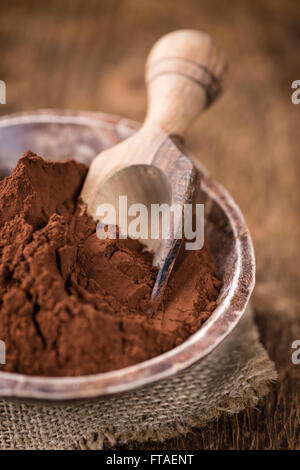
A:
x,y
71,304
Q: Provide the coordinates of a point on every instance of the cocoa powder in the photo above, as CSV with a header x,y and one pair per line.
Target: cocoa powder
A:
x,y
71,304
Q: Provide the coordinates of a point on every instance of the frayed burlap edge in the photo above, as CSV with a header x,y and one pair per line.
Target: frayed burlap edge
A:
x,y
250,398
234,376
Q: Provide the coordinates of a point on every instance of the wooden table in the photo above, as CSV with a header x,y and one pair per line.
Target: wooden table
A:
x,y
90,55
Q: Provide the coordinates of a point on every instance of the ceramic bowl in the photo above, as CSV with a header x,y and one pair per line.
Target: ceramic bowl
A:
x,y
60,135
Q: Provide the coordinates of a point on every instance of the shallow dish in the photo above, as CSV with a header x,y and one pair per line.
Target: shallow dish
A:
x,y
81,135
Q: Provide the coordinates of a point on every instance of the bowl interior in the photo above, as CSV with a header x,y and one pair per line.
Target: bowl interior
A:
x,y
62,135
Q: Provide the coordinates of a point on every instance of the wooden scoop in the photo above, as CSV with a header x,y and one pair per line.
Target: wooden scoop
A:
x,y
183,75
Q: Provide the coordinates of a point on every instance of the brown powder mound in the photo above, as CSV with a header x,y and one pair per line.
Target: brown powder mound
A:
x,y
71,304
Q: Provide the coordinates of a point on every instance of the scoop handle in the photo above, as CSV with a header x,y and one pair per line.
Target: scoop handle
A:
x,y
184,71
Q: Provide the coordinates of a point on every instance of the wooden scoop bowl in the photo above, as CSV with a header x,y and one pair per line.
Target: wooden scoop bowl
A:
x,y
183,76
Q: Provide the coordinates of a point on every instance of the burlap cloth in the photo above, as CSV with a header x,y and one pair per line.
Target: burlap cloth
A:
x,y
232,377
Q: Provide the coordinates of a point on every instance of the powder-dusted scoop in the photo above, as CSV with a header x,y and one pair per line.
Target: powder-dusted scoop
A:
x,y
183,75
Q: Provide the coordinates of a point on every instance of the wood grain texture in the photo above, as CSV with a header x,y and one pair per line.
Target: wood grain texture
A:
x,y
90,55
184,73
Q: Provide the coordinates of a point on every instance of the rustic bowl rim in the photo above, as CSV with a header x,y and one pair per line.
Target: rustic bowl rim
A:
x,y
212,333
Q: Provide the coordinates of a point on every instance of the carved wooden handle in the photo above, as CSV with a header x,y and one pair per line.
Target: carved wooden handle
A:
x,y
183,74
